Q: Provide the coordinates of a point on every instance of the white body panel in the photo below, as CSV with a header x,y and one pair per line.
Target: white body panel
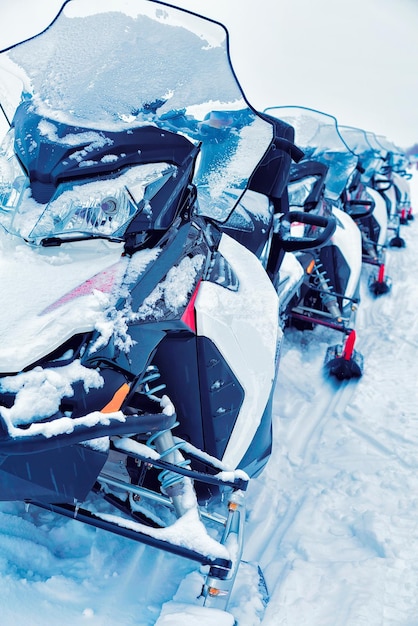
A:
x,y
244,325
404,187
347,237
33,279
380,214
291,277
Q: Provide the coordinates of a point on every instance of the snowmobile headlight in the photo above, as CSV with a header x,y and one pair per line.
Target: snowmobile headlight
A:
x,y
13,180
300,190
101,207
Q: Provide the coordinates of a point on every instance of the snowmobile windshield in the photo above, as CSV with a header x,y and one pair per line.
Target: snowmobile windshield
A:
x,y
375,145
369,158
316,133
396,158
111,67
300,190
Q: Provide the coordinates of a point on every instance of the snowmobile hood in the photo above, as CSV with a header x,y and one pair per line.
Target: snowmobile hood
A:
x,y
52,152
49,296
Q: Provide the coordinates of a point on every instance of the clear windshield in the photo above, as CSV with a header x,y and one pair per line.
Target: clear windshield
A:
x,y
110,66
396,157
369,158
316,133
373,143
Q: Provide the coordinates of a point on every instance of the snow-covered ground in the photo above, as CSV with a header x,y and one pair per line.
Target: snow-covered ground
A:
x,y
332,521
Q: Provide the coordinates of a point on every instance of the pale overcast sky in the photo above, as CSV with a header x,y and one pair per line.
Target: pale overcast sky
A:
x,y
355,59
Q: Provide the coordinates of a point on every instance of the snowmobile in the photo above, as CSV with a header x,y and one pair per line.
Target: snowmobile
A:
x,y
145,260
330,294
397,167
374,224
384,182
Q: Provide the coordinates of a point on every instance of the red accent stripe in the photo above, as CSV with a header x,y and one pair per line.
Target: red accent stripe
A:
x,y
189,317
103,281
349,346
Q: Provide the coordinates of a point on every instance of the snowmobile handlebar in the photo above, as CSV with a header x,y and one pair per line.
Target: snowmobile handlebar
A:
x,y
359,208
326,226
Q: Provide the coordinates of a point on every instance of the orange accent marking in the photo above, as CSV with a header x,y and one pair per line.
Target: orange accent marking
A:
x,y
214,591
116,402
310,267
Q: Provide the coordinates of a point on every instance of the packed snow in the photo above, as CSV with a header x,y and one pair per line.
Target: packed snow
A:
x,y
332,521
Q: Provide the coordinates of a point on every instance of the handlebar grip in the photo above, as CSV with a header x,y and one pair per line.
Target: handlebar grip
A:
x,y
326,224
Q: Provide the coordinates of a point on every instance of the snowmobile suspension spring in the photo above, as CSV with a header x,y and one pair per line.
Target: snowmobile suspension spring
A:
x,y
326,294
169,478
320,277
171,482
152,374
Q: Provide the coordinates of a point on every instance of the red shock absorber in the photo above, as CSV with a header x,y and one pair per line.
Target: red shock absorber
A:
x,y
349,346
381,274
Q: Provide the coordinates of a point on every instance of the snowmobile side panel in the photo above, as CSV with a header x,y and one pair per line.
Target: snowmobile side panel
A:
x,y
221,396
380,215
208,411
246,335
259,452
347,238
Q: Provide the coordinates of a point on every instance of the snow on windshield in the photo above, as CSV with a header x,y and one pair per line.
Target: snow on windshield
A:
x,y
110,67
103,67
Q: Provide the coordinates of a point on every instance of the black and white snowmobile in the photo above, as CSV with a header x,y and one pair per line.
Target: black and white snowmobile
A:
x,y
330,294
360,192
384,182
397,167
143,277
